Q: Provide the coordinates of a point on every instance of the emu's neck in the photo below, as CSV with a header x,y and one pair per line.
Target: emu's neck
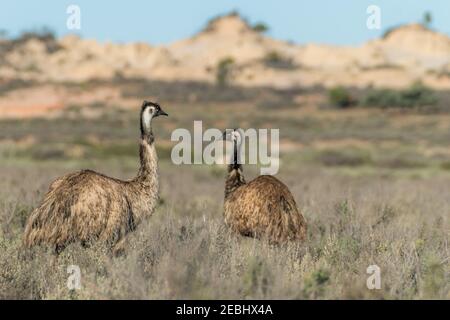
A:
x,y
235,177
148,171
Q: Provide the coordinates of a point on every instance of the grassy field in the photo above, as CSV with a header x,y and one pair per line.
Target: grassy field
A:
x,y
373,184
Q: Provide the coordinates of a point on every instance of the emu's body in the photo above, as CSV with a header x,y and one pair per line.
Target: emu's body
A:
x,y
262,208
86,206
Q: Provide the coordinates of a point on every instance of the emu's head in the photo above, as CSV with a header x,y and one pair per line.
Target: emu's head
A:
x,y
149,111
233,135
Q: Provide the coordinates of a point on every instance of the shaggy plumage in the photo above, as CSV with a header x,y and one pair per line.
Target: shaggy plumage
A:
x,y
86,206
262,208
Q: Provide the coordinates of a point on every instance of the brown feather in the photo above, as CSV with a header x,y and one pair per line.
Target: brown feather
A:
x,y
262,208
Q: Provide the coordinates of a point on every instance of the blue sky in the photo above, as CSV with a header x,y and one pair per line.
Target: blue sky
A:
x,y
159,22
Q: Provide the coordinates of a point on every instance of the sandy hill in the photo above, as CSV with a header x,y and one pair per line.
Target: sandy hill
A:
x,y
404,55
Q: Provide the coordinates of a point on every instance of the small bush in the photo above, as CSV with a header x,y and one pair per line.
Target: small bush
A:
x,y
260,27
341,97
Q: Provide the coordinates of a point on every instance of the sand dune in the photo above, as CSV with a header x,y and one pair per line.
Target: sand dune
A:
x,y
404,55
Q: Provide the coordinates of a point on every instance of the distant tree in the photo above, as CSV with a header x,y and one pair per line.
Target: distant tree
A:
x,y
427,19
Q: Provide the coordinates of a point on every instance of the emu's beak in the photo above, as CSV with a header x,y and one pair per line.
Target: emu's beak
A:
x,y
162,113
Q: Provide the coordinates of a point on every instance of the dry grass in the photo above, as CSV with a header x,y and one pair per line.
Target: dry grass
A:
x,y
376,210
185,251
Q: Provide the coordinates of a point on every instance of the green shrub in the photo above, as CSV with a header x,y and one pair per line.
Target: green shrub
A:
x,y
340,97
273,59
414,97
315,283
223,71
260,27
382,98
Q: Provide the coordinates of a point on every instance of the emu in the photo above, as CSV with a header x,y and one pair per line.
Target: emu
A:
x,y
87,206
262,208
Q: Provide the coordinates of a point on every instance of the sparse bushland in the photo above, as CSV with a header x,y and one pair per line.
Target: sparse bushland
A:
x,y
416,97
44,34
